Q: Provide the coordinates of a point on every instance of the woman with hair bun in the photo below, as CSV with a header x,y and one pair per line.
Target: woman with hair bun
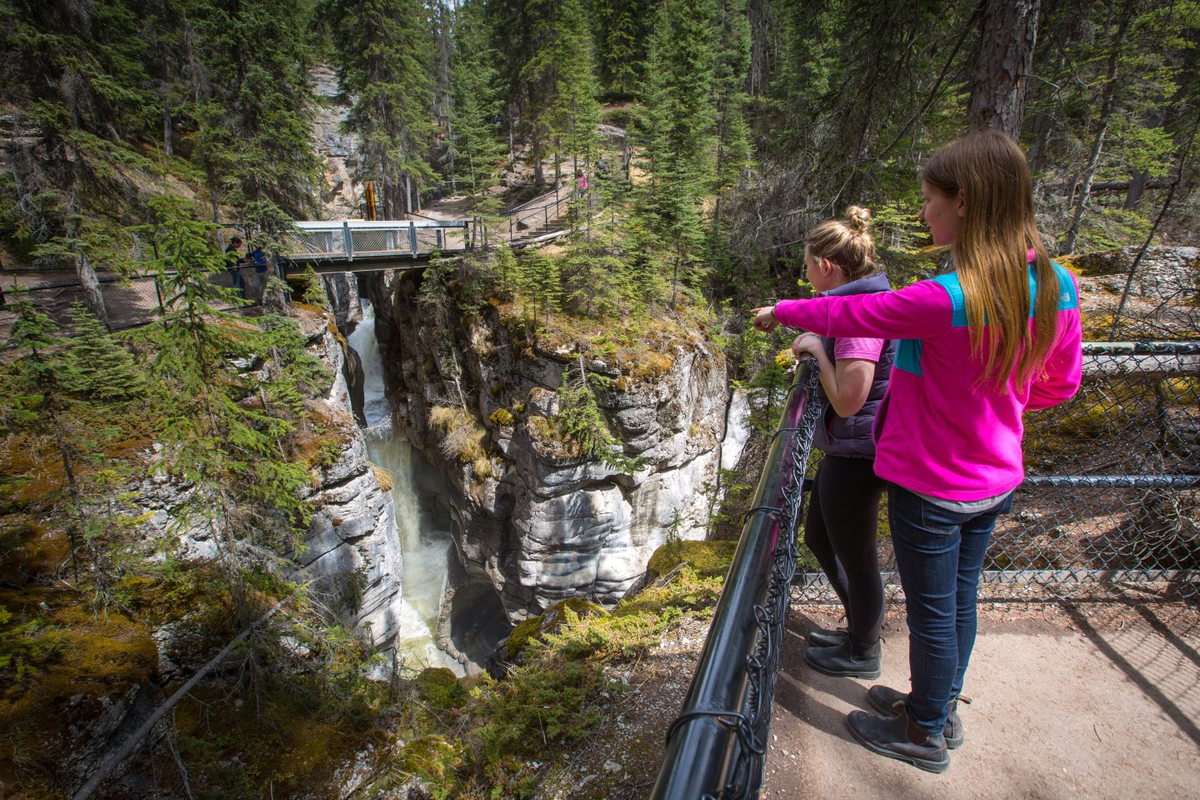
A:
x,y
997,335
843,512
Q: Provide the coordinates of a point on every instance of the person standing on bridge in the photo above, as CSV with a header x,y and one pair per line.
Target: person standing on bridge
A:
x,y
233,265
997,335
842,524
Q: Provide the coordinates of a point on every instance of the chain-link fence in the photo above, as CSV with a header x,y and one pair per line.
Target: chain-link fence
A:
x,y
1112,492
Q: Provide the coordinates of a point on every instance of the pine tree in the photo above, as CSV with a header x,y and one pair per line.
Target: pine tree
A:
x,y
99,367
679,127
386,52
478,153
253,136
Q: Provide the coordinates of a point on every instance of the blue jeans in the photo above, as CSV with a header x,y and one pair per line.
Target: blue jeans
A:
x,y
939,554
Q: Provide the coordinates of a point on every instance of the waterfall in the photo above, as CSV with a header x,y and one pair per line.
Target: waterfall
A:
x,y
424,549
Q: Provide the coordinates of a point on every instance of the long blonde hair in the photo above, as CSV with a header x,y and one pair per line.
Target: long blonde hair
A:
x,y
847,243
991,255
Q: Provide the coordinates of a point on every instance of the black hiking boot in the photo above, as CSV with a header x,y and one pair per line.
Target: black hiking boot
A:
x,y
826,637
850,659
900,738
890,703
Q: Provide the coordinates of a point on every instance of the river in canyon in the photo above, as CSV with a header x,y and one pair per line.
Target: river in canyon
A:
x,y
422,529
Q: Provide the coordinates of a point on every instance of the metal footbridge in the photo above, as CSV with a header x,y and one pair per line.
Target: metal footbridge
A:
x,y
358,245
361,246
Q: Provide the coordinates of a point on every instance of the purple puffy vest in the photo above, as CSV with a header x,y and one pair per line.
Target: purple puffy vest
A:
x,y
838,436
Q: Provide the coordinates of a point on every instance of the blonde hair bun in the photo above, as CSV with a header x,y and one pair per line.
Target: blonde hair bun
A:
x,y
858,219
846,242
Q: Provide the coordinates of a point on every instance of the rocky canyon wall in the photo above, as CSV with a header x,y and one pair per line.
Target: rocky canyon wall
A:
x,y
534,522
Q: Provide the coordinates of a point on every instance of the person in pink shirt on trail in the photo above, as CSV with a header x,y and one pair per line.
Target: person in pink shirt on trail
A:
x,y
977,347
841,527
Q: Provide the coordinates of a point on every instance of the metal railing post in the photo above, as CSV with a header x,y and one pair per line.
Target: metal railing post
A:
x,y
348,241
717,745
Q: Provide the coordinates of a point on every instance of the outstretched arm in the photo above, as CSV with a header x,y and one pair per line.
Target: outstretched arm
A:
x,y
914,312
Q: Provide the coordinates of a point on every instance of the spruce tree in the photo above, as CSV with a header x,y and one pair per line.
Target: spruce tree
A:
x,y
478,152
99,367
576,109
732,131
253,136
622,30
217,437
38,388
523,34
679,121
386,53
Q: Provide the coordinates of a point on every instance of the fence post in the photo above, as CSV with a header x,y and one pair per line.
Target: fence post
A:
x,y
348,241
158,291
412,237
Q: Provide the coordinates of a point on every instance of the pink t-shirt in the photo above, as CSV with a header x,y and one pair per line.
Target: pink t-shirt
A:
x,y
857,347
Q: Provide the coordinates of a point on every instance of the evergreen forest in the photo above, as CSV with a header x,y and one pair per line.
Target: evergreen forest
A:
x,y
138,136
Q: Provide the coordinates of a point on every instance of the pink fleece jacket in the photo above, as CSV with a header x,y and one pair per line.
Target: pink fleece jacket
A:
x,y
940,431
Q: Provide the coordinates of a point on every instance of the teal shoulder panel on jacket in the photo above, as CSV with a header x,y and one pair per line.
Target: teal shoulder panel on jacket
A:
x,y
1068,298
958,303
908,356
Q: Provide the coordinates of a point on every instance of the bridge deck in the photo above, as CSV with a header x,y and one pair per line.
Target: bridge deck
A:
x,y
373,245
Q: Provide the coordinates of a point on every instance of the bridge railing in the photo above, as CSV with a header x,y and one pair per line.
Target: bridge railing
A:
x,y
717,745
540,213
347,240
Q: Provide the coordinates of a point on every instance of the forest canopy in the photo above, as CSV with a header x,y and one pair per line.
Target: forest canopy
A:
x,y
747,120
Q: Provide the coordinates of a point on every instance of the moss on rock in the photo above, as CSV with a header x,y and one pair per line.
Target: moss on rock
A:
x,y
521,635
706,558
439,688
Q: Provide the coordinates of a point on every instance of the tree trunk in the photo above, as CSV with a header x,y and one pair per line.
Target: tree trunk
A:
x,y
758,81
1007,37
1107,105
1137,187
168,145
93,298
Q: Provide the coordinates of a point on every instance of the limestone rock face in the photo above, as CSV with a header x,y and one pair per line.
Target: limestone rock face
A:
x,y
539,524
353,536
341,193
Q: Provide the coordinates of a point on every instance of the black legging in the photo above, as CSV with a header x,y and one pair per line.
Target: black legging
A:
x,y
841,530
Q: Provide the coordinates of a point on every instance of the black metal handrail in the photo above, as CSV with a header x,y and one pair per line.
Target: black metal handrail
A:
x,y
717,745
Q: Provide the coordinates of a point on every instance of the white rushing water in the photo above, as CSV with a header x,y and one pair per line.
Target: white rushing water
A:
x,y
425,550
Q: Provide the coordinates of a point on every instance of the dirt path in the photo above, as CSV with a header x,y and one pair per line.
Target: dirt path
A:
x,y
1096,701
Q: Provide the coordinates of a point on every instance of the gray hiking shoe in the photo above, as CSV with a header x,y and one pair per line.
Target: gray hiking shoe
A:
x,y
890,703
900,738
